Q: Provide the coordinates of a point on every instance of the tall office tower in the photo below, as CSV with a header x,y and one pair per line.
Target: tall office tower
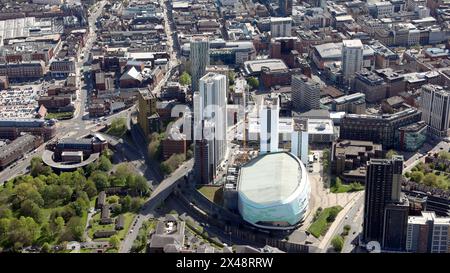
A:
x,y
269,114
428,234
199,56
203,172
352,58
385,211
281,26
146,108
210,121
436,109
285,7
305,93
300,140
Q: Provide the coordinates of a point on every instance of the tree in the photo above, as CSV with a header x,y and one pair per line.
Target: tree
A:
x,y
104,164
46,248
253,82
417,176
231,77
58,226
333,212
337,243
29,208
140,186
90,189
38,167
185,78
4,227
100,179
23,231
114,241
118,127
136,204
430,179
390,154
75,228
126,203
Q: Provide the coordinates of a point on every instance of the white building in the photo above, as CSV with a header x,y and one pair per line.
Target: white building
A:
x,y
199,56
384,9
435,106
428,233
352,58
212,107
299,140
269,119
280,26
305,93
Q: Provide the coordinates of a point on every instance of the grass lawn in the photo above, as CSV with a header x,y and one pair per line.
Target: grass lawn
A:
x,y
127,223
346,188
213,193
321,225
62,115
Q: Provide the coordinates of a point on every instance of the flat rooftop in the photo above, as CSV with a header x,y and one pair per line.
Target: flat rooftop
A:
x,y
255,66
270,178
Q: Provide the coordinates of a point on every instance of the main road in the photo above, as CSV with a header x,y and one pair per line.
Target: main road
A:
x,y
160,193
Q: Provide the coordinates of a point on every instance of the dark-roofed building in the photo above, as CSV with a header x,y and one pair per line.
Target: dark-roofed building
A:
x,y
105,216
101,200
120,222
349,157
12,128
169,231
104,233
17,148
372,85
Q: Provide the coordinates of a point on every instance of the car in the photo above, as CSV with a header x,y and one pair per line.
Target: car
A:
x,y
346,216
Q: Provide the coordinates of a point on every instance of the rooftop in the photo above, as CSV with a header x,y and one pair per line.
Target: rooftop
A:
x,y
270,178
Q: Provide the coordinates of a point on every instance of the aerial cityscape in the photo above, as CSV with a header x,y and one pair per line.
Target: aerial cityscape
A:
x,y
228,126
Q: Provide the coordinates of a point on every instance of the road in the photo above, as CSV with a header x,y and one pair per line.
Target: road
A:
x,y
161,192
350,215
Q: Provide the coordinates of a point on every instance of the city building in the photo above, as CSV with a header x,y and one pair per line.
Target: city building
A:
x,y
382,129
412,137
199,57
273,191
305,93
428,233
146,109
352,58
269,115
285,7
169,233
353,104
17,148
300,140
385,209
321,130
349,158
372,85
87,146
210,123
12,128
280,26
435,108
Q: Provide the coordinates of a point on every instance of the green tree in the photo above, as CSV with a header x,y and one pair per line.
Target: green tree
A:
x,y
100,179
136,204
126,203
337,243
90,189
390,154
75,228
430,179
58,226
417,176
29,209
114,241
104,164
23,231
118,127
185,78
46,248
140,186
4,227
253,82
38,168
231,77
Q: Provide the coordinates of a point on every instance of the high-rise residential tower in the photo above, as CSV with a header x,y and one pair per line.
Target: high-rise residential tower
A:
x,y
285,7
435,108
385,211
199,56
210,121
352,58
305,93
269,121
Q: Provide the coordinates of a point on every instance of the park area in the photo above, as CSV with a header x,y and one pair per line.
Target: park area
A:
x,y
323,220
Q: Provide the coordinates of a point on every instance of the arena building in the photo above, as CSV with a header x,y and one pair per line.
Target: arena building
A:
x,y
273,191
